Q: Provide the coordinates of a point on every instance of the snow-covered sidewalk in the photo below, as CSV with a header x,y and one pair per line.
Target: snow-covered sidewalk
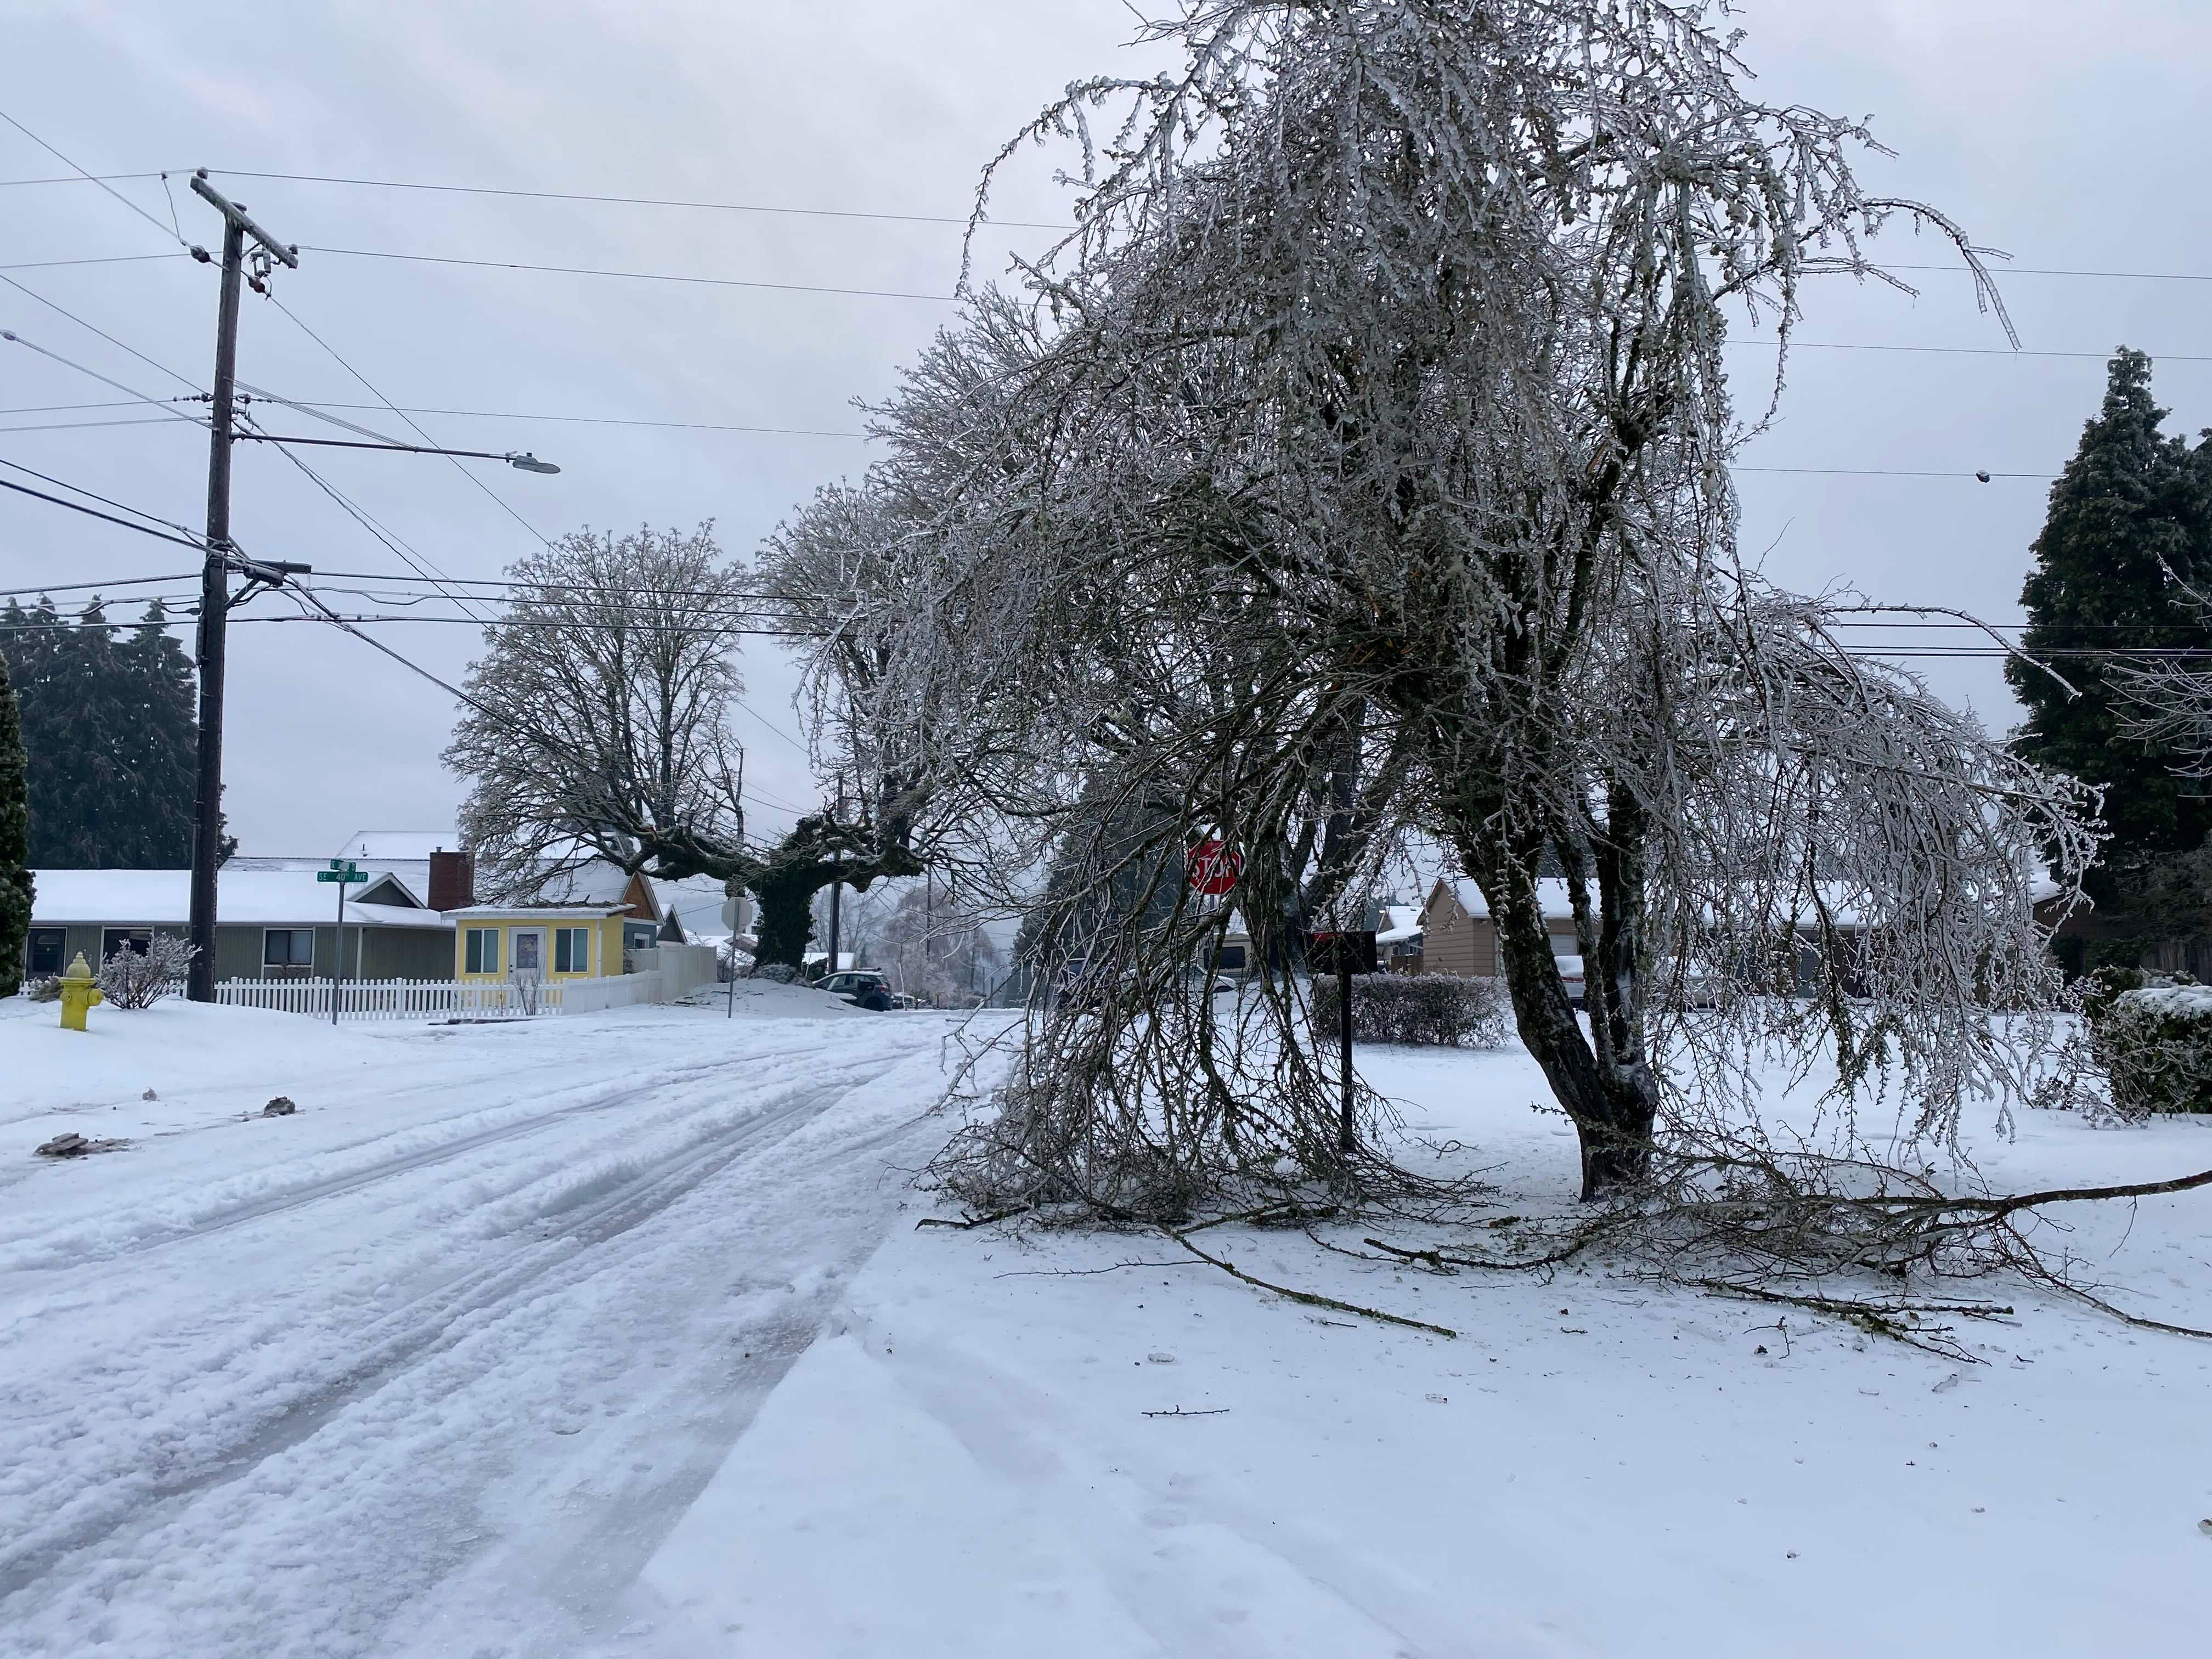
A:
x,y
497,1298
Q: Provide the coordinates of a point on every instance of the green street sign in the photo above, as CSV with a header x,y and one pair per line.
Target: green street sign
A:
x,y
341,875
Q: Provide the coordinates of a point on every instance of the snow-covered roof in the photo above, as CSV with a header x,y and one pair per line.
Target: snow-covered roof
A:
x,y
598,882
405,846
538,911
265,898
1400,922
1551,893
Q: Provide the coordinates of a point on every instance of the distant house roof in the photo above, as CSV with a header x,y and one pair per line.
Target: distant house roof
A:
x,y
538,910
399,846
1401,922
601,881
267,898
1551,893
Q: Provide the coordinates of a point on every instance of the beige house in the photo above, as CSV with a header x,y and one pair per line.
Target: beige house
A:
x,y
1458,937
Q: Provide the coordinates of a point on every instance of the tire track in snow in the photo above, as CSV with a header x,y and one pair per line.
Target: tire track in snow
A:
x,y
130,1504
599,1099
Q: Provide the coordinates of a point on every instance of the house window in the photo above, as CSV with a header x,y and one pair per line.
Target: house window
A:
x,y
47,947
572,950
482,948
1232,958
116,941
288,947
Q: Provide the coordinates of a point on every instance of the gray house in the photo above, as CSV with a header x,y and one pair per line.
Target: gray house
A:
x,y
270,924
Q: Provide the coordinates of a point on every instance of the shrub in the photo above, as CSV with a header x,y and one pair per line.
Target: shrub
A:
x,y
1423,1009
47,988
132,979
2156,1046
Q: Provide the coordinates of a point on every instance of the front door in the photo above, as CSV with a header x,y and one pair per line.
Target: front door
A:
x,y
528,953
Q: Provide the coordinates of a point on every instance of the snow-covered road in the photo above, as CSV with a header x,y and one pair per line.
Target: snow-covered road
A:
x,y
454,1346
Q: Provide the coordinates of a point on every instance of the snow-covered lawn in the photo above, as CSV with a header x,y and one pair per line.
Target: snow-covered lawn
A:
x,y
575,1338
1594,1468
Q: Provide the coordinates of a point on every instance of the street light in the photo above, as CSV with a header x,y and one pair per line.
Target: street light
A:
x,y
524,462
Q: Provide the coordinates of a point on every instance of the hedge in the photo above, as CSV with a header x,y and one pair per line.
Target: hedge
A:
x,y
1425,1009
2156,1046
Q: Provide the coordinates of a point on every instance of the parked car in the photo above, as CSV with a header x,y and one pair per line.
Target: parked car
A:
x,y
862,987
1570,973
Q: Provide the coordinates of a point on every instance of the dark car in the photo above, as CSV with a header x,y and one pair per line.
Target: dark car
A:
x,y
862,987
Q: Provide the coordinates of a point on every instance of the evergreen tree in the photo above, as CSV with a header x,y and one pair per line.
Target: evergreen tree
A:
x,y
109,733
15,842
2129,520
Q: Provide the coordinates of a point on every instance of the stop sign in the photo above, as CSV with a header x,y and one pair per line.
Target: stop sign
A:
x,y
1214,868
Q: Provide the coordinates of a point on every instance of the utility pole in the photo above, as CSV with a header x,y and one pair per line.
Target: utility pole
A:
x,y
215,580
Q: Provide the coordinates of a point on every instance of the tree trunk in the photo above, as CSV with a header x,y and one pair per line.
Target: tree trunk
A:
x,y
1613,1106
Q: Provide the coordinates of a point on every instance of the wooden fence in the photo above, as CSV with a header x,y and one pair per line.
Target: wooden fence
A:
x,y
440,999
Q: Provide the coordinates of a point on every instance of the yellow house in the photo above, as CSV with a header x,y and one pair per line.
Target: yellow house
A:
x,y
539,941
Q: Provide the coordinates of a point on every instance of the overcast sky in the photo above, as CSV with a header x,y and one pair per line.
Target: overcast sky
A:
x,y
2070,137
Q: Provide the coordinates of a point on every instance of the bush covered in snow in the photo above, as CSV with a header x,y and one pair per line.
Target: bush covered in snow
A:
x,y
1432,1010
2156,1046
133,979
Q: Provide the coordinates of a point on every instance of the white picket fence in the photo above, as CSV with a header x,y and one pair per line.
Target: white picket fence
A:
x,y
440,999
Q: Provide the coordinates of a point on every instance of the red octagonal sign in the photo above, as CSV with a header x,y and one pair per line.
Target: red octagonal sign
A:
x,y
1214,868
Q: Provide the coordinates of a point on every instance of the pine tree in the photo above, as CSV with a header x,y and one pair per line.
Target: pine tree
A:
x,y
2129,518
109,735
15,841
157,747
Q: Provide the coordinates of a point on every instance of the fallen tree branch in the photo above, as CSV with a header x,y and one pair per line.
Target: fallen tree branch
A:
x,y
2003,1207
1875,1318
1082,1272
1581,1240
1311,1298
973,1221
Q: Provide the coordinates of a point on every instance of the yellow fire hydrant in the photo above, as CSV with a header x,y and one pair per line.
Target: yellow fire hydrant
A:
x,y
79,993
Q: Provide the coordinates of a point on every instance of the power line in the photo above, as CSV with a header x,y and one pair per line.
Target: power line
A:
x,y
94,494
82,178
591,420
75,507
537,534
87,177
103,333
80,587
1955,351
632,275
168,408
620,201
87,426
393,541
1892,472
105,260
2037,271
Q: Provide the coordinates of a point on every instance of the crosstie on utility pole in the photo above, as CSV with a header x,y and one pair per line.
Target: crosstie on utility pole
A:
x,y
214,579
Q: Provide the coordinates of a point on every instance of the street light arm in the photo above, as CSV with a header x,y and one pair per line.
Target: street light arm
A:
x,y
523,459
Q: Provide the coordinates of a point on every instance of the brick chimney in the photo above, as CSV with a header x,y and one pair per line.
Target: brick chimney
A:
x,y
453,881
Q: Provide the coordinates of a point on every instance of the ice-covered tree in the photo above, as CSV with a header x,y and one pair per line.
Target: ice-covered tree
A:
x,y
1363,456
599,719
